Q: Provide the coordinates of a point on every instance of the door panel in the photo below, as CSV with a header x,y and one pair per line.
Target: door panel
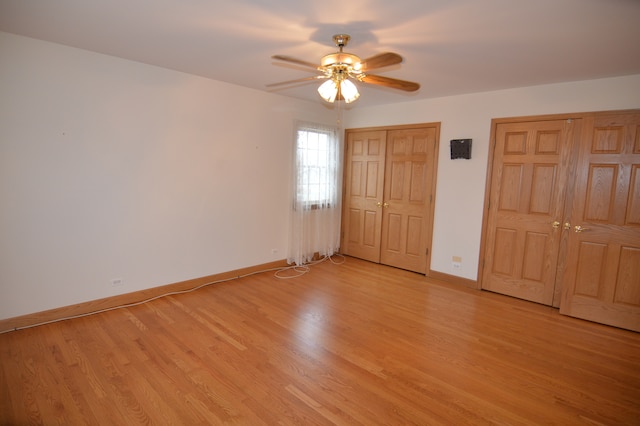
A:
x,y
526,207
364,186
602,282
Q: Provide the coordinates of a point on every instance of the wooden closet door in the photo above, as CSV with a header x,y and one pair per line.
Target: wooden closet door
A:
x,y
389,186
409,182
526,206
602,281
364,190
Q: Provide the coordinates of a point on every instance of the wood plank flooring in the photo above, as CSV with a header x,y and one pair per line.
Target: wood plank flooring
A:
x,y
349,344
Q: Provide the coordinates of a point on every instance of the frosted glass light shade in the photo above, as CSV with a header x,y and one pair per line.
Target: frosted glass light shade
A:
x,y
349,91
328,90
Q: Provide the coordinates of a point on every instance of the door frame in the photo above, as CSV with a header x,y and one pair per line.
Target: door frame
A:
x,y
431,206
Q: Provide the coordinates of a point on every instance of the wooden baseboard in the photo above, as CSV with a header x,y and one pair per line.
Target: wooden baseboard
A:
x,y
452,279
85,308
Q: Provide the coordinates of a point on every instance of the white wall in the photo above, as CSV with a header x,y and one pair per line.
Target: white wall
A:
x,y
461,183
112,169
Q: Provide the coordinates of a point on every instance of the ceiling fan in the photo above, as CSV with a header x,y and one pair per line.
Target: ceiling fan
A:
x,y
340,68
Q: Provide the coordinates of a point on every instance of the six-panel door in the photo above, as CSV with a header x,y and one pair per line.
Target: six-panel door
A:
x,y
526,208
364,187
602,280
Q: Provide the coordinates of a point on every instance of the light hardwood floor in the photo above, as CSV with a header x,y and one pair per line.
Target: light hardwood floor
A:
x,y
350,344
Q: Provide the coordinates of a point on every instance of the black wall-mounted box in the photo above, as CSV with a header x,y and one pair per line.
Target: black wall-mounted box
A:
x,y
460,148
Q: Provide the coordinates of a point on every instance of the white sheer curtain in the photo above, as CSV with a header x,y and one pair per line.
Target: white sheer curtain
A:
x,y
315,216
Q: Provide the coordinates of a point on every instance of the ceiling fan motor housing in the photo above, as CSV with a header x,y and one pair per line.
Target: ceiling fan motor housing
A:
x,y
340,58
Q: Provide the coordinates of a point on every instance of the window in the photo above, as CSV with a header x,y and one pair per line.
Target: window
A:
x,y
317,164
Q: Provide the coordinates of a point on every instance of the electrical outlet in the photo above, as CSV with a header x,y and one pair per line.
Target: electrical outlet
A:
x,y
456,262
117,282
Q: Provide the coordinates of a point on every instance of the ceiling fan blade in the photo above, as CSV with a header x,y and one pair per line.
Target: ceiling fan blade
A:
x,y
381,60
297,80
294,61
394,83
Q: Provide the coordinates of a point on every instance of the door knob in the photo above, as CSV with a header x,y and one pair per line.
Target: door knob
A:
x,y
579,228
385,205
566,226
555,224
379,204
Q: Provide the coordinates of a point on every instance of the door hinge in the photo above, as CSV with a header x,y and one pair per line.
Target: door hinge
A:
x,y
427,253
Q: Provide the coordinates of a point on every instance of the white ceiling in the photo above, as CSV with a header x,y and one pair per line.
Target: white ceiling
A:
x,y
450,46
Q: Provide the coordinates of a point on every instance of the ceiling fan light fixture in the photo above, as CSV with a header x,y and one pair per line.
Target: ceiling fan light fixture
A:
x,y
328,90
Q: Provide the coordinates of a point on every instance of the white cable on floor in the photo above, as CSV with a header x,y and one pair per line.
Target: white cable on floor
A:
x,y
299,269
